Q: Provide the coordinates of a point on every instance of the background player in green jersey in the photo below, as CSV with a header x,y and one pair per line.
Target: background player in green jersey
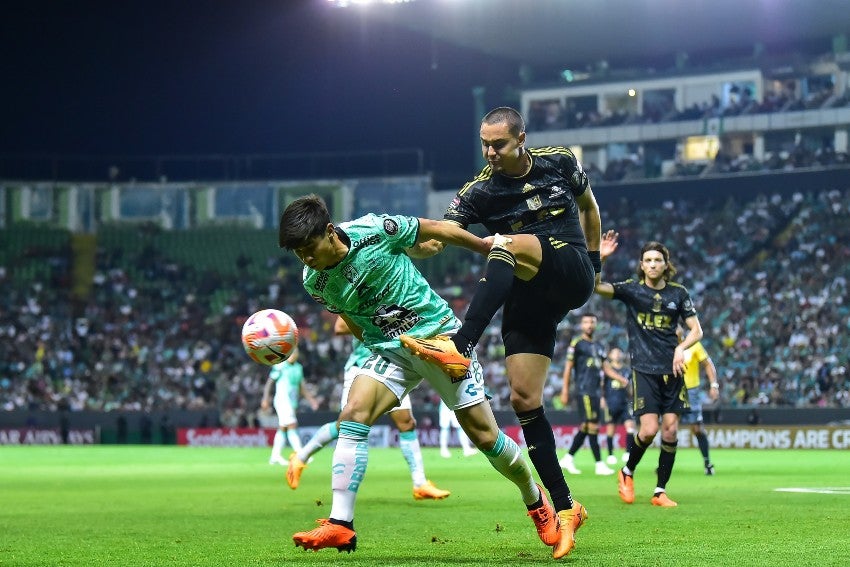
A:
x,y
287,379
401,416
361,271
655,307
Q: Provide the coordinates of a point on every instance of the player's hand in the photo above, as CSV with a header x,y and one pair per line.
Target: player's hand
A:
x,y
609,244
565,398
678,361
264,405
714,393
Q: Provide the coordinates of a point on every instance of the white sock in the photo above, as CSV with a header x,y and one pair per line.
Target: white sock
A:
x,y
349,467
409,443
506,457
444,438
278,444
294,440
325,434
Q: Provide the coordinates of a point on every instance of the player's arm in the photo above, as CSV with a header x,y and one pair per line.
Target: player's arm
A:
x,y
351,325
711,374
341,327
450,233
565,389
591,224
425,249
265,403
693,336
609,371
607,246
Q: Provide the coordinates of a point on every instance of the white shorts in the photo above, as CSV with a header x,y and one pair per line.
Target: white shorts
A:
x,y
348,379
285,412
401,371
448,418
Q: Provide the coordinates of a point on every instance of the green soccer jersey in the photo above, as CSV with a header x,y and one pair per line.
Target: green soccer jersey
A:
x,y
287,378
377,286
359,354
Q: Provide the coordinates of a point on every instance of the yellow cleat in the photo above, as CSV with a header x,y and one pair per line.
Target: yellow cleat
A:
x,y
441,352
428,491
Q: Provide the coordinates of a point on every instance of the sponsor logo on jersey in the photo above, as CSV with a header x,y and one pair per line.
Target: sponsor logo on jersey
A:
x,y
394,320
321,281
351,273
368,240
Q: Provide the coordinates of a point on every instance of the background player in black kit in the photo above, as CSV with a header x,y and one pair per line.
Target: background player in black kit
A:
x,y
655,307
542,199
617,397
584,358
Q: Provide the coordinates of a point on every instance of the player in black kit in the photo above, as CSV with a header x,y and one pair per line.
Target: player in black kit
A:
x,y
655,306
618,401
541,199
584,358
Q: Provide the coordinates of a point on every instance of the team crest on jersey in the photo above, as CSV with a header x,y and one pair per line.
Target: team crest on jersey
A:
x,y
534,203
390,226
656,303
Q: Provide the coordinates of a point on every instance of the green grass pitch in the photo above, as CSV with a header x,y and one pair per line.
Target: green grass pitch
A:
x,y
175,506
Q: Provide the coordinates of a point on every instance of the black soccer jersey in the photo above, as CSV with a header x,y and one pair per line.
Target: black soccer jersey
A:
x,y
653,315
616,393
587,366
542,202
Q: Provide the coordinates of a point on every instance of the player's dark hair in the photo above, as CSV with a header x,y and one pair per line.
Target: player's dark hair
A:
x,y
303,220
669,271
508,115
590,314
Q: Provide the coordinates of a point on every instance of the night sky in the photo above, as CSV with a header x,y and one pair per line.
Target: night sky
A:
x,y
202,76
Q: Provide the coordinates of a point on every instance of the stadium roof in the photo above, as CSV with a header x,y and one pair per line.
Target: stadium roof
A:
x,y
577,32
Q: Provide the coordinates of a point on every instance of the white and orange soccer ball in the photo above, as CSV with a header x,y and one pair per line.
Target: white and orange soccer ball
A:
x,y
269,336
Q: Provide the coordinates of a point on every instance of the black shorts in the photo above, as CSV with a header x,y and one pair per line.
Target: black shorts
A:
x,y
617,410
588,408
534,308
659,394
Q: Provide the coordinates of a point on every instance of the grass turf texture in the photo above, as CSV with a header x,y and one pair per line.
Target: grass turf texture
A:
x,y
143,505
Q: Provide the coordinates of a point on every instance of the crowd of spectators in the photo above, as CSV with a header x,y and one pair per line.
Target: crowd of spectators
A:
x,y
769,277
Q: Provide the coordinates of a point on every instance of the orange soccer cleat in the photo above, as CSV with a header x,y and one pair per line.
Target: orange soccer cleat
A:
x,y
546,521
661,499
293,472
441,352
327,535
428,491
626,487
571,521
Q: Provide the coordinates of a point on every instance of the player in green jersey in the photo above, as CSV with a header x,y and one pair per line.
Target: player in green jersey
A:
x,y
360,270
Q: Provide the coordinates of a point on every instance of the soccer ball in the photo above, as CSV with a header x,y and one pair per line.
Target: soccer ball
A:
x,y
269,336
